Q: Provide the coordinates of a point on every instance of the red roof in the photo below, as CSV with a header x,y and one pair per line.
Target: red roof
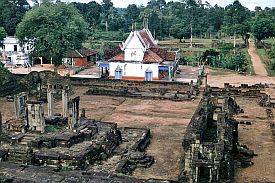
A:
x,y
171,56
160,51
81,53
146,38
119,57
165,54
151,57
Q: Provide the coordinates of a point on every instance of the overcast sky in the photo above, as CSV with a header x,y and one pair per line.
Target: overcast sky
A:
x,y
247,3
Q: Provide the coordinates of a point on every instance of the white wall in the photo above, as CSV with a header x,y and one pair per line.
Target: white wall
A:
x,y
9,43
133,69
134,49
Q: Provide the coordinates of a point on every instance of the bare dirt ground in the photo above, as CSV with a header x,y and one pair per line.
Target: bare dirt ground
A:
x,y
257,137
39,68
258,65
167,121
237,79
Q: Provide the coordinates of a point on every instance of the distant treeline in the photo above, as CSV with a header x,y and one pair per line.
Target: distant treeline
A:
x,y
165,19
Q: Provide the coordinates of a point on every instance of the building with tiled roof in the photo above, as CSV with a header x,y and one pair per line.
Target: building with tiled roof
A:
x,y
142,59
80,57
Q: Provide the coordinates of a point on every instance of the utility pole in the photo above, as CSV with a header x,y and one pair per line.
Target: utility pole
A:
x,y
234,40
235,33
106,24
191,40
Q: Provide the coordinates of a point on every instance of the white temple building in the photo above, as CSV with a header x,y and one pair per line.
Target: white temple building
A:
x,y
14,53
142,59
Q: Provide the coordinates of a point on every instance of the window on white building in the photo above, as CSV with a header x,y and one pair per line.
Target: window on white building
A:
x,y
14,47
118,73
148,75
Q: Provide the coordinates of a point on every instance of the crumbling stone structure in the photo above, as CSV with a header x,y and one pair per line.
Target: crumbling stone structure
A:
x,y
1,124
19,124
55,85
244,90
73,110
267,101
20,105
16,125
14,173
146,90
209,143
36,120
76,150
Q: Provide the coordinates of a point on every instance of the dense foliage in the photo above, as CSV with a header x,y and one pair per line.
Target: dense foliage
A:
x,y
11,13
54,29
2,35
177,19
271,54
4,74
227,60
263,23
57,27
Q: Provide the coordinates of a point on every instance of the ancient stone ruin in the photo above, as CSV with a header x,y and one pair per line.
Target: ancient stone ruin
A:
x,y
68,147
67,142
55,85
137,89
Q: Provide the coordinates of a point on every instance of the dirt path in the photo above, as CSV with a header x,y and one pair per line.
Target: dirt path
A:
x,y
258,66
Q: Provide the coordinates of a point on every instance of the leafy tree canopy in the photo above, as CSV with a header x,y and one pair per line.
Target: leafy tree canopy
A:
x,y
54,28
263,24
237,19
2,35
90,11
132,13
11,13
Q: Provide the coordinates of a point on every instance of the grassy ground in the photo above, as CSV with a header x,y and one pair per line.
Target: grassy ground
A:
x,y
270,40
264,57
217,73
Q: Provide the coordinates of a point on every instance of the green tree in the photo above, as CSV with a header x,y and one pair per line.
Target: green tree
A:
x,y
215,18
54,28
2,35
107,8
181,31
271,54
11,13
132,13
263,24
107,5
263,27
236,20
90,11
116,21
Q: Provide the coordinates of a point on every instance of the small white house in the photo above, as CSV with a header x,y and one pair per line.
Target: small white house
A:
x,y
142,59
14,53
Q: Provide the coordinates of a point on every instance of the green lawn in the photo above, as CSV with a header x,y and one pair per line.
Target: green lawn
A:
x,y
266,60
217,73
270,40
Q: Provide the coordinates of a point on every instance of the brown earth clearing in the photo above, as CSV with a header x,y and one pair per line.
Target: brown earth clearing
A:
x,y
258,65
168,121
